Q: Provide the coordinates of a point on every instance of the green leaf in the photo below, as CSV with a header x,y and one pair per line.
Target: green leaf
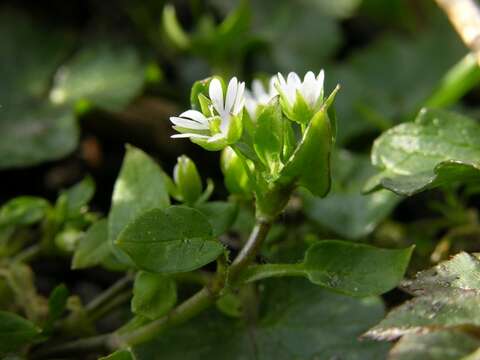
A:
x,y
79,195
93,248
119,355
23,210
436,310
345,267
15,332
460,272
296,320
353,269
220,214
32,130
439,148
106,76
140,186
153,295
177,239
173,29
34,133
438,345
57,302
347,211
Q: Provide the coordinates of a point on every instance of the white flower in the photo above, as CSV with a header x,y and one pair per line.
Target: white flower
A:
x,y
297,95
220,126
259,95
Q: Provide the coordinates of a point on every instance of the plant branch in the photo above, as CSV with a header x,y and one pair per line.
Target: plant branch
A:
x,y
83,345
182,313
108,295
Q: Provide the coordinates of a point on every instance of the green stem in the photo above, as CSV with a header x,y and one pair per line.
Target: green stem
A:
x,y
108,295
74,347
28,254
259,272
108,307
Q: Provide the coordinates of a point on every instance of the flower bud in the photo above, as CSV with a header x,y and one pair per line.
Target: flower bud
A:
x,y
236,177
187,180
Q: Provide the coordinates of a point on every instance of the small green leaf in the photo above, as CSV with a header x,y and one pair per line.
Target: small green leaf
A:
x,y
57,302
104,75
346,210
220,214
153,295
140,186
177,239
355,269
438,345
15,332
93,248
439,148
79,195
119,355
23,210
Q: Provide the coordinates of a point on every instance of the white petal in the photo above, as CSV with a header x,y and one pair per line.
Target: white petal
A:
x,y
195,115
216,95
308,89
272,90
281,80
216,137
320,83
240,99
293,79
188,124
231,94
258,89
189,135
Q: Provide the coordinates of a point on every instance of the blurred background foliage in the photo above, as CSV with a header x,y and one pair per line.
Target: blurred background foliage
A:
x,y
79,79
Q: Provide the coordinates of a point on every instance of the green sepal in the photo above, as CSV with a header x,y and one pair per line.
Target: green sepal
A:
x,y
272,134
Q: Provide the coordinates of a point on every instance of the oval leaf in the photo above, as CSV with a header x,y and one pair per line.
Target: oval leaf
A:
x,y
177,239
355,269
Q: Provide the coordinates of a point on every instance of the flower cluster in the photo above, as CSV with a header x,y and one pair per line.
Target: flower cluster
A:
x,y
219,123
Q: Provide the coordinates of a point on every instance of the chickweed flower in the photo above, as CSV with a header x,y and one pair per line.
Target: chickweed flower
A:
x,y
259,95
301,99
220,122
